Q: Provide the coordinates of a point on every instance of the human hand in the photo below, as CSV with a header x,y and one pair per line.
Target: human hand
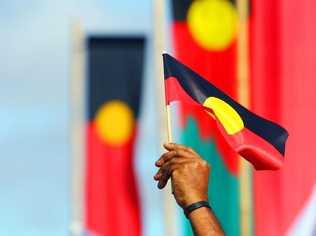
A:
x,y
189,174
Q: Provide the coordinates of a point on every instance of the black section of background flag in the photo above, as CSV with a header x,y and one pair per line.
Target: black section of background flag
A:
x,y
115,71
200,89
181,7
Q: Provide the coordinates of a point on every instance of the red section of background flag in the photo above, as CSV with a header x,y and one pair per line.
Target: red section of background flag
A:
x,y
217,67
112,205
283,89
265,100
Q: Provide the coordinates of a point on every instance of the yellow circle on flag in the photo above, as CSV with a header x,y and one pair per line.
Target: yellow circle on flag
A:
x,y
212,23
225,114
115,122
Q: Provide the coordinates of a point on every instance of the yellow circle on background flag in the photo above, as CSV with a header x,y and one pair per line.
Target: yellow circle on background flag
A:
x,y
115,122
212,23
225,114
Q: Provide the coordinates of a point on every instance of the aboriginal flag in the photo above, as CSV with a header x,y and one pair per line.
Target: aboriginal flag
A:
x,y
115,68
204,37
258,140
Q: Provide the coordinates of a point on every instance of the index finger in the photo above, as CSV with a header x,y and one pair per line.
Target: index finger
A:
x,y
172,154
175,146
165,156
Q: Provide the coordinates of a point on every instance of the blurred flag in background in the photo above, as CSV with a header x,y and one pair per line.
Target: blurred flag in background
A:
x,y
115,72
282,49
280,82
204,38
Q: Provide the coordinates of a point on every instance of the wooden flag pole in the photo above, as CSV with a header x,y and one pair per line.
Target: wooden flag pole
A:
x,y
168,113
169,130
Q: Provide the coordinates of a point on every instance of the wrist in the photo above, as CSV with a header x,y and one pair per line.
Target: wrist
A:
x,y
202,211
204,222
195,206
194,199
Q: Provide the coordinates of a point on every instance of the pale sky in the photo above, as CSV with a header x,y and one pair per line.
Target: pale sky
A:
x,y
34,105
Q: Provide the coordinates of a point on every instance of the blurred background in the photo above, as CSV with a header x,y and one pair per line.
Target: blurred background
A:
x,y
82,115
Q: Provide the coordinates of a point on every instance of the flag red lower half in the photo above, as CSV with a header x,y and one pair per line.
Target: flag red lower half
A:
x,y
112,205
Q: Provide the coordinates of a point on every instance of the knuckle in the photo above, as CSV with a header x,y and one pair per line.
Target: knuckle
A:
x,y
205,164
175,173
186,166
195,165
172,162
176,152
188,149
180,153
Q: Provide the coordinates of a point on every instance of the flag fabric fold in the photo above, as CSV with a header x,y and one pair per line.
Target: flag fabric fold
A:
x,y
260,141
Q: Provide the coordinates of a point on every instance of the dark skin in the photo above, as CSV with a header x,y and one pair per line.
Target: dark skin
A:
x,y
189,175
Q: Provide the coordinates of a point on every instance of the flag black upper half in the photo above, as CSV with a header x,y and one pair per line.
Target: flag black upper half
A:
x,y
115,71
180,8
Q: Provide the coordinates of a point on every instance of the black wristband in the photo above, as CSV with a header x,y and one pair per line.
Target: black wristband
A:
x,y
187,210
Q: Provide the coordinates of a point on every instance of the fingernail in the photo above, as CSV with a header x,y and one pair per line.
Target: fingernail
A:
x,y
156,176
